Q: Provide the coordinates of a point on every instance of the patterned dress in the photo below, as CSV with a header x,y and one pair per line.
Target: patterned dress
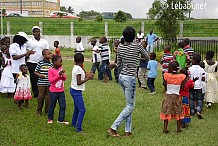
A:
x,y
23,91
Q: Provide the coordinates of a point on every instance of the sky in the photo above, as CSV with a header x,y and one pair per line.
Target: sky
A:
x,y
138,8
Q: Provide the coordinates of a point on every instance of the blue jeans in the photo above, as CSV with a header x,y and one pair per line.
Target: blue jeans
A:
x,y
196,95
105,70
96,66
54,97
150,83
79,109
128,83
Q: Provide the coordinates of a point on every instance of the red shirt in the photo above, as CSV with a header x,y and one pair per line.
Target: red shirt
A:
x,y
185,91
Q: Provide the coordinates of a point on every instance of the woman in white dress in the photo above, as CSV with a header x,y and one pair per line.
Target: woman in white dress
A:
x,y
211,95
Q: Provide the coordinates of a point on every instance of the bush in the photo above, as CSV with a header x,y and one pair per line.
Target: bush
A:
x,y
159,56
120,16
99,18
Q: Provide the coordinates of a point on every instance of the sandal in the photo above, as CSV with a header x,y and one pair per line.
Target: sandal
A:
x,y
113,133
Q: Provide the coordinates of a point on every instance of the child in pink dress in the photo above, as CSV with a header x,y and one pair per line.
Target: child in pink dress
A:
x,y
23,92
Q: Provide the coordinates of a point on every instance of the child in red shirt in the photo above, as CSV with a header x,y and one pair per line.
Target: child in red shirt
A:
x,y
57,49
184,94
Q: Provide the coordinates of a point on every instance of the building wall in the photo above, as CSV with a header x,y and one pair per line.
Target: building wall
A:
x,y
36,8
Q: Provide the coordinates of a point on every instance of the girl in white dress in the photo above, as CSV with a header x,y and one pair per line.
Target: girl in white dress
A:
x,y
211,95
7,84
23,92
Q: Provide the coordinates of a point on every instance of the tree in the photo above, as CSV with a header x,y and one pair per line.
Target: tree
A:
x,y
87,14
68,10
167,17
120,16
99,18
129,15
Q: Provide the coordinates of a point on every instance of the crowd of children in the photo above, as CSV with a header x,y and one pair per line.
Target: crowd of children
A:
x,y
187,80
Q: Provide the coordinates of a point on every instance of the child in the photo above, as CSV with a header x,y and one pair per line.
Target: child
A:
x,y
96,58
196,94
184,94
43,84
79,45
23,92
152,72
57,76
189,50
211,84
7,79
116,71
77,87
180,56
105,57
57,49
7,42
142,72
165,60
172,105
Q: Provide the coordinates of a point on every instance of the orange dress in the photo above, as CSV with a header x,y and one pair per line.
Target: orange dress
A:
x,y
172,104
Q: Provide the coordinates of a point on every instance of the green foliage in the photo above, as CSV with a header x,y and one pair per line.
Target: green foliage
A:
x,y
159,55
87,14
67,9
167,17
99,18
120,16
129,15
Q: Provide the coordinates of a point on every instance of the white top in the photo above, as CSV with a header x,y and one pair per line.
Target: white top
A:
x,y
140,36
37,46
23,82
79,46
197,71
98,56
77,70
173,89
15,49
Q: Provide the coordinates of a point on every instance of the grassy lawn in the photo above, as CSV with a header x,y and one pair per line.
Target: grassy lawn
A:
x,y
103,103
61,26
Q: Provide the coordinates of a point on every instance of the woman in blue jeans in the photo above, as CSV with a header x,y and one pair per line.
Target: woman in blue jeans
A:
x,y
127,58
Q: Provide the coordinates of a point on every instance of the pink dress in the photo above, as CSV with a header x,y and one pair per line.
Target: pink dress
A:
x,y
23,91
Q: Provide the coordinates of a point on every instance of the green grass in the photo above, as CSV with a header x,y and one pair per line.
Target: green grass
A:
x,y
103,103
61,26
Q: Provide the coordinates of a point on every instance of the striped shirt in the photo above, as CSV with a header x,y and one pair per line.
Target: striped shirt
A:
x,y
189,50
105,53
42,68
128,56
165,60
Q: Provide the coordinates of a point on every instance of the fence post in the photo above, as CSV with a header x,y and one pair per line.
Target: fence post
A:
x,y
8,28
106,29
142,27
71,34
181,30
41,28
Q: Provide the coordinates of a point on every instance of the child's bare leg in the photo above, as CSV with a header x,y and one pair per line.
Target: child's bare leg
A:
x,y
19,103
178,126
26,103
165,126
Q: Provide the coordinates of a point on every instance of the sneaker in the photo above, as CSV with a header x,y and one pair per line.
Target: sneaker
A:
x,y
209,105
144,87
63,122
50,121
